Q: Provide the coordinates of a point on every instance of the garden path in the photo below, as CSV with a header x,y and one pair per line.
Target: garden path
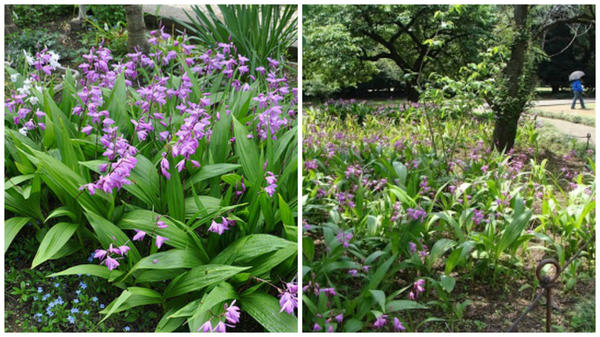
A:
x,y
572,129
546,102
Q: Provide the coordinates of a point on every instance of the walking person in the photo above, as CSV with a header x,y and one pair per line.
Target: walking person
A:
x,y
575,79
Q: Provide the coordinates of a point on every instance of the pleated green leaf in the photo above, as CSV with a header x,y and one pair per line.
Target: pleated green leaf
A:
x,y
201,277
53,241
265,309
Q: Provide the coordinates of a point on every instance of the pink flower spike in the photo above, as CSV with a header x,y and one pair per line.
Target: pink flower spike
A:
x,y
232,313
398,325
139,235
160,240
124,249
195,163
220,327
102,167
100,254
111,263
164,168
113,250
180,165
161,224
86,130
206,327
218,228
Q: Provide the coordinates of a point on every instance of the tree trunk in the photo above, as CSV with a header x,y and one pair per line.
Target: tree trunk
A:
x,y
9,25
411,93
505,132
508,113
136,29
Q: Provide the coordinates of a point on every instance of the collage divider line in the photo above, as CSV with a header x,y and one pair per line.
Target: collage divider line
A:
x,y
299,143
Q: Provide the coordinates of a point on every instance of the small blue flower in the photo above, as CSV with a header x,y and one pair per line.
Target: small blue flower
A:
x,y
56,285
40,289
75,301
127,328
86,312
50,313
78,292
101,306
71,319
82,285
74,310
45,297
95,299
59,300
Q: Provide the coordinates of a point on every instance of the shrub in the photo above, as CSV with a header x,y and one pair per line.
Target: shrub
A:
x,y
261,32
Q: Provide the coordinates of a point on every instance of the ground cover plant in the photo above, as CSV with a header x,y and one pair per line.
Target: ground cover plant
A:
x,y
412,222
176,170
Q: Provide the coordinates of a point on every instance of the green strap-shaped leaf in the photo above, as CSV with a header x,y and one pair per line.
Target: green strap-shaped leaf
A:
x,y
210,171
201,277
266,264
520,221
53,241
400,305
12,227
170,259
130,298
250,247
224,292
379,297
108,233
285,213
265,309
247,152
438,249
63,181
168,323
90,269
145,220
117,104
174,194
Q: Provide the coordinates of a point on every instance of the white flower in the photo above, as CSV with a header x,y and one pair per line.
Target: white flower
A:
x,y
54,57
23,131
28,58
33,100
14,77
24,90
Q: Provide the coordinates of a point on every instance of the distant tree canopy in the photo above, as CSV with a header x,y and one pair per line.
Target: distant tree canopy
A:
x,y
348,45
350,49
370,46
569,48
